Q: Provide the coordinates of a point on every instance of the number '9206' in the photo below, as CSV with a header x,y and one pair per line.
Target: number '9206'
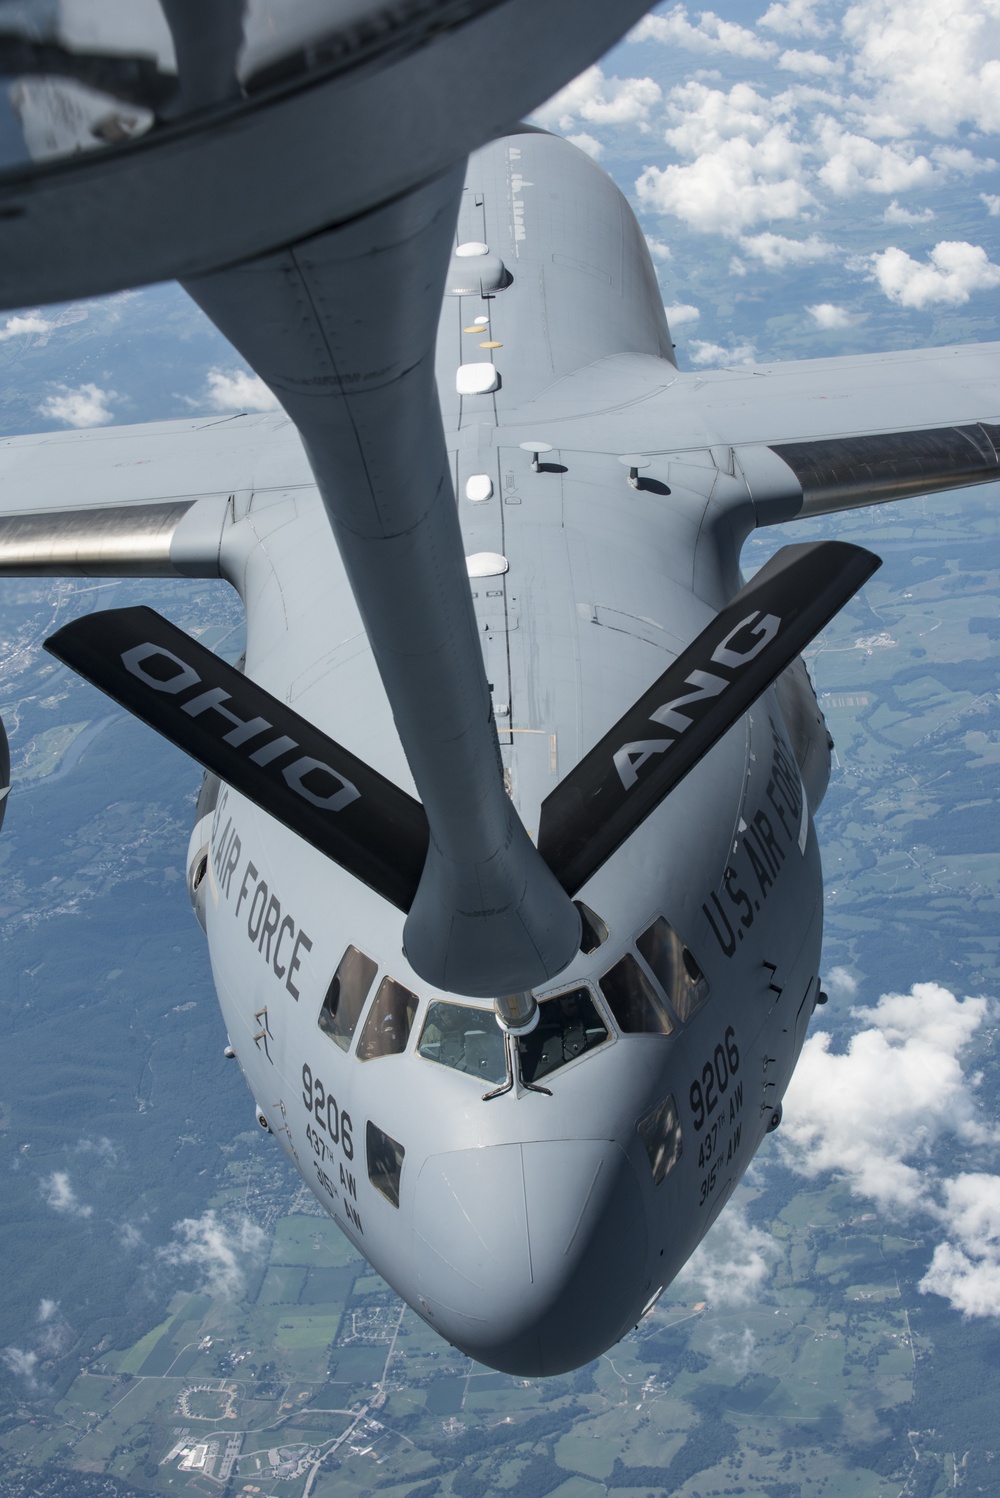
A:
x,y
707,1090
332,1119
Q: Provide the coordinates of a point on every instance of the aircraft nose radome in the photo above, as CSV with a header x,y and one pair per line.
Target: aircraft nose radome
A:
x,y
531,1257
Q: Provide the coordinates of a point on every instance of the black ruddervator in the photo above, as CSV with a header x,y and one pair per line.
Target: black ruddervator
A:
x,y
376,831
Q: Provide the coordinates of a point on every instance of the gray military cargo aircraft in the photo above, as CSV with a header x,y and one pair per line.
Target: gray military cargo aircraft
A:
x,y
505,849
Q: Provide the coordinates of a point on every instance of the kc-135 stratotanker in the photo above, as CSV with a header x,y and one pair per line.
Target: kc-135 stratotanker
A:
x,y
505,848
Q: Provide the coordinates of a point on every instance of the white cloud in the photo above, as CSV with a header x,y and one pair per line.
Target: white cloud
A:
x,y
219,1252
598,100
775,252
795,18
926,66
956,270
681,312
21,1362
25,325
732,1264
897,214
828,315
658,249
966,1270
79,405
588,143
873,1113
840,981
129,1236
55,1333
705,354
738,1351
992,202
854,163
710,34
815,63
102,1148
238,390
58,1194
745,166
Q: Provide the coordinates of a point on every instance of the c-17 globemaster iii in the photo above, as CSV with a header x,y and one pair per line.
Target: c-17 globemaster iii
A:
x,y
505,849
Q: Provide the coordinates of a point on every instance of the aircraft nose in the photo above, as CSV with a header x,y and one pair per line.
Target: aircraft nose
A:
x,y
531,1257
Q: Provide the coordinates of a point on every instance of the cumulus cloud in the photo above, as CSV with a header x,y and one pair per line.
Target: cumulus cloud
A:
x,y
55,1332
22,1363
840,981
956,271
733,1263
775,252
58,1194
966,1269
129,1236
745,165
681,312
925,66
709,34
815,63
220,1252
658,249
598,100
84,405
706,355
795,18
828,315
992,203
897,214
854,163
25,325
736,1350
238,390
105,1152
588,143
874,1112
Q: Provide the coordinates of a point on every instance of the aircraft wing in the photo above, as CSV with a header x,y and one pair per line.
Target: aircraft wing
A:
x,y
145,500
807,436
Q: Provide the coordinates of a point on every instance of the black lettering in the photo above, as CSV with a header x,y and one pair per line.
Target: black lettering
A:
x,y
728,947
348,1182
287,925
752,832
231,862
219,854
352,1214
780,810
301,940
269,927
250,873
764,879
739,898
253,928
766,833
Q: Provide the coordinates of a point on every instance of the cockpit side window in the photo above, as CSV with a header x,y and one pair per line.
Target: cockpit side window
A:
x,y
385,1162
660,1132
674,968
389,1022
633,1000
345,998
465,1039
568,1025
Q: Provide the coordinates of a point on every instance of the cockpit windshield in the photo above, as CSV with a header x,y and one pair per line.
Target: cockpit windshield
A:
x,y
568,1025
465,1039
470,1040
